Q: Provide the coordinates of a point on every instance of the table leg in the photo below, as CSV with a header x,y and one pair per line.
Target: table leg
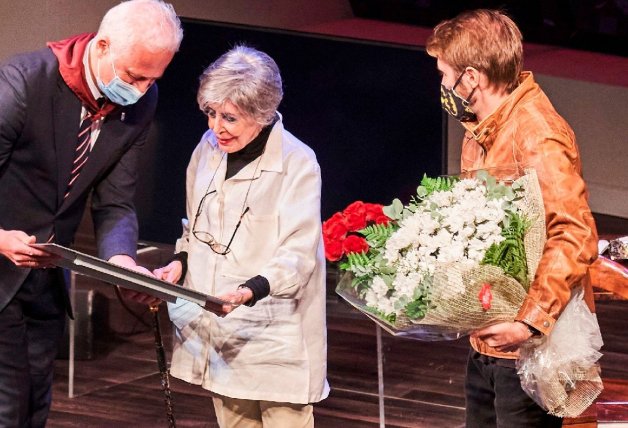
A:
x,y
380,377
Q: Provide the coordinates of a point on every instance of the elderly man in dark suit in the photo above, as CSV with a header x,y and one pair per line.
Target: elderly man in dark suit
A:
x,y
99,86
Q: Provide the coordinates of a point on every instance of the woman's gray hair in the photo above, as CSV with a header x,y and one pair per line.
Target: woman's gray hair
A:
x,y
153,24
246,77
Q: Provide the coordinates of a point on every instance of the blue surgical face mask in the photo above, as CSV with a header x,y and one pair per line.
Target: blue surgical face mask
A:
x,y
117,90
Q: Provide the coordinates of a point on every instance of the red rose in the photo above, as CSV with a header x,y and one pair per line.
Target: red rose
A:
x,y
355,216
373,211
355,222
355,244
382,219
334,227
333,250
357,207
485,296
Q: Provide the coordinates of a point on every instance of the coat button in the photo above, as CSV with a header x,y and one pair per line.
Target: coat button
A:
x,y
546,324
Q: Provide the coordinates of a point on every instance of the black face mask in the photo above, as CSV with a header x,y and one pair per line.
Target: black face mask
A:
x,y
455,105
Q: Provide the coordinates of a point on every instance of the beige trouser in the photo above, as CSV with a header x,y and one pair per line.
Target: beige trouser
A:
x,y
239,413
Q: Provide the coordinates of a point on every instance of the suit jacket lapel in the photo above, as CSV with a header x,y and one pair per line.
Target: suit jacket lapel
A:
x,y
110,141
67,113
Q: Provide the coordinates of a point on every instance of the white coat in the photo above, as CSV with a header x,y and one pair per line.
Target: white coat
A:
x,y
277,349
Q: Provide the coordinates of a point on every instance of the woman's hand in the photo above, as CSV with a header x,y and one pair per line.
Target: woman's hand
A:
x,y
234,299
171,272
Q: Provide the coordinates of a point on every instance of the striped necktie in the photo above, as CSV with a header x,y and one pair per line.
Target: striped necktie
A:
x,y
81,153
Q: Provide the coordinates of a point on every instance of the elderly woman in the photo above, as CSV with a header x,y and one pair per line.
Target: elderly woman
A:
x,y
253,239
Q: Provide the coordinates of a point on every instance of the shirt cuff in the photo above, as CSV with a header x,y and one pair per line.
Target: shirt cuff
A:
x,y
181,257
260,288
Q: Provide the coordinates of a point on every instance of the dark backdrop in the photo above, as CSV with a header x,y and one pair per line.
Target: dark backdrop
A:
x,y
593,25
370,111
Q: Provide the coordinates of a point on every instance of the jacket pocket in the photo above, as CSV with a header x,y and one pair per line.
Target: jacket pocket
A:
x,y
254,244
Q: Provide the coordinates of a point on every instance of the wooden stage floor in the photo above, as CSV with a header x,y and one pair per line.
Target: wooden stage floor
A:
x,y
423,381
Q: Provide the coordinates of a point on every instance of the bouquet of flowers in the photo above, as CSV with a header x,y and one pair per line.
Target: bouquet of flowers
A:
x,y
461,256
458,257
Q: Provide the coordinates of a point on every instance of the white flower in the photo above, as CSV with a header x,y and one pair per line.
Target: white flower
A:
x,y
376,296
441,199
454,223
493,211
487,230
452,253
467,232
441,240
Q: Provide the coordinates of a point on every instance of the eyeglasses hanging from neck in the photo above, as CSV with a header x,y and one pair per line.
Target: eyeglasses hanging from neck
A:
x,y
208,238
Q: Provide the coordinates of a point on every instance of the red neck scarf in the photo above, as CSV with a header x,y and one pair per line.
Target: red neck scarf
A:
x,y
69,53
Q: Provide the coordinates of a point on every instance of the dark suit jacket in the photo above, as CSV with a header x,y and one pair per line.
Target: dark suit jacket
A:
x,y
39,121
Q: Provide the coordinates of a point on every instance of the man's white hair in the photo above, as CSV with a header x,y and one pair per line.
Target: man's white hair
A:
x,y
153,24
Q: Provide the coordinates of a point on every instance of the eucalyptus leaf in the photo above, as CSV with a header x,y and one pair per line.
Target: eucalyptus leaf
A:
x,y
394,210
482,175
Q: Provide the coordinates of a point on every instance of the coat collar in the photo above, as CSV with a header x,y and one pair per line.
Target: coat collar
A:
x,y
483,132
272,158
